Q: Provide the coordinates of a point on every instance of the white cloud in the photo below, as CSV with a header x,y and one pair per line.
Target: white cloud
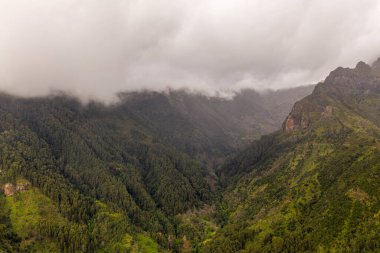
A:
x,y
95,48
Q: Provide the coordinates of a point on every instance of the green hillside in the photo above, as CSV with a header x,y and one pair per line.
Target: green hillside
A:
x,y
113,178
75,156
162,173
315,187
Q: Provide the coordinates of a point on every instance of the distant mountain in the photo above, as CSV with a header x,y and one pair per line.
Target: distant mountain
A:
x,y
315,185
162,172
86,178
211,126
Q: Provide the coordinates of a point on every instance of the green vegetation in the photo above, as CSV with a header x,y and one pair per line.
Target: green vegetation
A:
x,y
27,210
138,176
100,170
9,241
147,245
316,187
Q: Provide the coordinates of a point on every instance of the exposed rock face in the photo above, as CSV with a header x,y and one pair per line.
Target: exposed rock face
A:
x,y
304,123
350,81
328,112
296,119
289,124
362,70
376,68
342,84
20,187
9,189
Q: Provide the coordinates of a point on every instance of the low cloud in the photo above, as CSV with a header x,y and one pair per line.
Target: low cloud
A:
x,y
96,48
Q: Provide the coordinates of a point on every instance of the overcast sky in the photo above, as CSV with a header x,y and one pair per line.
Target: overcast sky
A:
x,y
95,48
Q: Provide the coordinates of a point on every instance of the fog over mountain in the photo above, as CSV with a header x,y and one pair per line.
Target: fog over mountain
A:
x,y
94,48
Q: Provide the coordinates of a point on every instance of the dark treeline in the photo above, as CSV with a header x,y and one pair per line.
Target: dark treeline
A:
x,y
78,154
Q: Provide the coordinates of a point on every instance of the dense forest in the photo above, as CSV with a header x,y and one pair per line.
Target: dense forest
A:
x,y
86,164
315,185
116,178
170,172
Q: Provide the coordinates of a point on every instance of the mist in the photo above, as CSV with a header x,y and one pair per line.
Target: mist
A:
x,y
95,49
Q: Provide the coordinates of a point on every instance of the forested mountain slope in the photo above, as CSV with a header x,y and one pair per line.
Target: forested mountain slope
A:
x,y
315,185
135,176
209,127
79,155
86,178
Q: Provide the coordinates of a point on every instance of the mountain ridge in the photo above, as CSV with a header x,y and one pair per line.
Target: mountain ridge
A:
x,y
122,173
340,82
314,186
144,176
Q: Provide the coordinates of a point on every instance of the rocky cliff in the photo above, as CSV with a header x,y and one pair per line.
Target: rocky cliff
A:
x,y
343,84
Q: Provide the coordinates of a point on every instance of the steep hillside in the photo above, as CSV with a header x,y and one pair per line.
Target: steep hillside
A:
x,y
211,127
76,156
114,178
314,186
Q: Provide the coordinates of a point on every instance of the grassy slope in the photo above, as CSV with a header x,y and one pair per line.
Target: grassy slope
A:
x,y
29,208
319,195
319,190
111,230
9,241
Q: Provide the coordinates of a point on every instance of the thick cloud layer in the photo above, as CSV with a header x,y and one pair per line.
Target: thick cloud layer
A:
x,y
95,48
